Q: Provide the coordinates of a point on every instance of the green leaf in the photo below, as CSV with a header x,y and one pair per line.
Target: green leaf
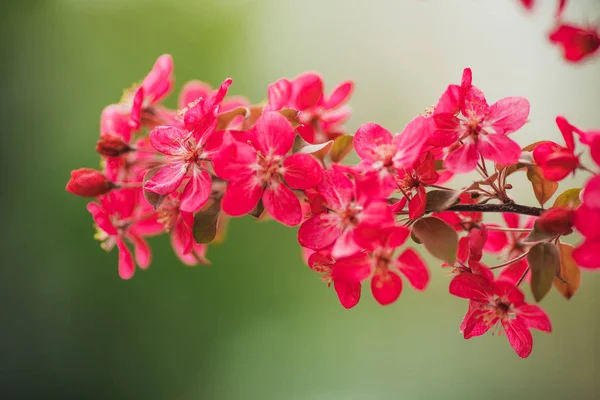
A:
x,y
440,240
205,223
542,187
342,145
569,198
154,199
439,200
544,261
568,278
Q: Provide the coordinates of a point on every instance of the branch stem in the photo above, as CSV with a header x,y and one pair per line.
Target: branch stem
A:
x,y
498,208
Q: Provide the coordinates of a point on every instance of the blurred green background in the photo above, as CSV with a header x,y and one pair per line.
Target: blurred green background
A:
x,y
258,324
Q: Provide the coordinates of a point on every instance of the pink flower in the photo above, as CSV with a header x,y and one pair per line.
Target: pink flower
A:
x,y
470,252
578,43
187,153
477,129
156,86
556,161
120,216
587,222
378,262
344,208
261,169
348,291
492,302
384,157
321,116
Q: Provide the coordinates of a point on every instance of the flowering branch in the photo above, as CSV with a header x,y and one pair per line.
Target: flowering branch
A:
x,y
499,208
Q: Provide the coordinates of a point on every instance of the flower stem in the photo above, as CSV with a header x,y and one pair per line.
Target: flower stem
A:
x,y
514,260
523,276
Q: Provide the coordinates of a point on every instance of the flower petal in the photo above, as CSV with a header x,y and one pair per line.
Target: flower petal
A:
x,y
471,286
414,268
196,192
462,159
167,179
518,336
241,196
143,254
308,90
508,115
279,94
233,159
274,134
302,171
348,293
319,231
535,317
368,139
386,287
126,265
282,204
410,142
339,95
337,189
499,148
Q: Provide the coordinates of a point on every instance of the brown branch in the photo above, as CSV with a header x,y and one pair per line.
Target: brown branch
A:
x,y
498,208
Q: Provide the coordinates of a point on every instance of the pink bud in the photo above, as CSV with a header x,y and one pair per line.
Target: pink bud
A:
x,y
86,182
557,220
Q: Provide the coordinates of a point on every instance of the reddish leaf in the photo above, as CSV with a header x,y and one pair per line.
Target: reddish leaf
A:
x,y
154,199
205,223
440,200
542,187
440,240
569,277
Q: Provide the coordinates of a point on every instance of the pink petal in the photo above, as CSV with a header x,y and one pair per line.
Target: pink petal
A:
x,y
282,204
471,286
158,82
218,95
586,254
101,218
196,192
535,317
302,171
348,293
339,95
377,213
355,268
514,271
345,245
496,241
126,265
308,90
368,139
591,193
143,254
168,179
410,142
168,139
279,94
386,287
241,196
509,292
463,159
467,78
274,134
413,267
337,189
114,121
508,115
567,131
474,103
416,205
449,102
518,336
319,231
234,159
135,114
474,324
182,239
192,91
587,221
447,130
499,148
512,220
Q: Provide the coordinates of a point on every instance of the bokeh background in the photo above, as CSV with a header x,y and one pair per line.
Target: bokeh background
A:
x,y
258,324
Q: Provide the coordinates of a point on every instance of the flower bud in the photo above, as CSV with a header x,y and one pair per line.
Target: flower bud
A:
x,y
557,221
111,145
86,182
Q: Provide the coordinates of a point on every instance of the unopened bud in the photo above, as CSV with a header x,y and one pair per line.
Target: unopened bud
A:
x,y
111,145
557,221
86,182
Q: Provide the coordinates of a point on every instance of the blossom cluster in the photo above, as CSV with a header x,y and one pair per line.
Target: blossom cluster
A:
x,y
186,172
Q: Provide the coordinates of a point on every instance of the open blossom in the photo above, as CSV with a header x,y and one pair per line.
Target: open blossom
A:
x,y
260,168
188,150
577,43
378,262
344,208
321,116
120,217
347,288
587,222
492,302
386,157
556,161
470,252
468,128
